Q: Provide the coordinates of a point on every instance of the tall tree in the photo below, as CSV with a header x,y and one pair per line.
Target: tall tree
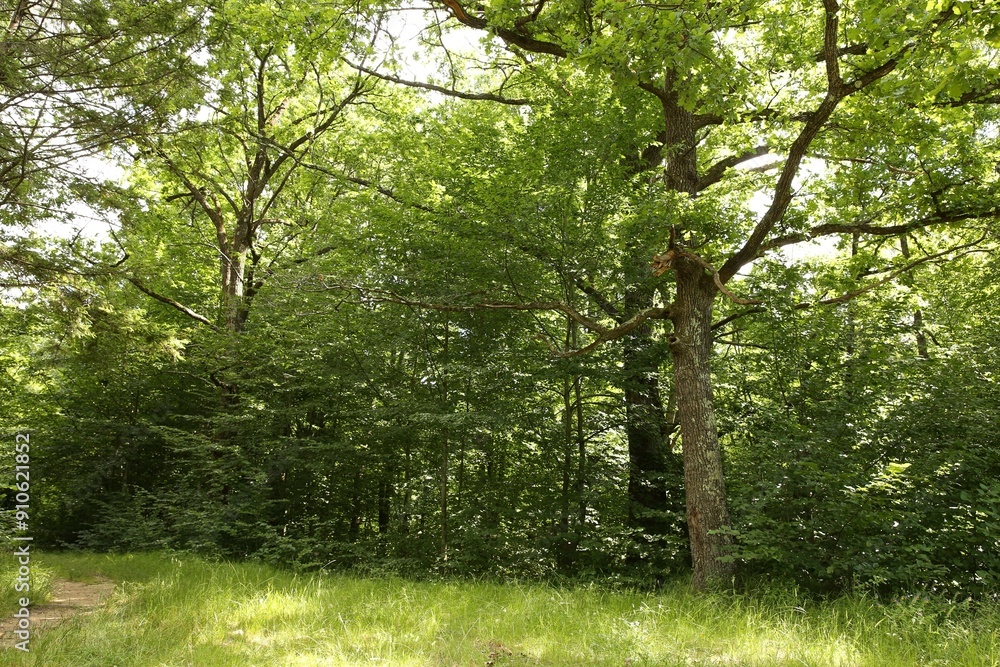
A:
x,y
246,169
806,83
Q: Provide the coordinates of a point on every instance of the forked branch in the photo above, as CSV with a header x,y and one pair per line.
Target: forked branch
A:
x,y
620,331
941,218
837,90
663,263
518,37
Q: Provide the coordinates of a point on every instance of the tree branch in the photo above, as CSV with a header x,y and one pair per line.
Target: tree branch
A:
x,y
843,298
386,296
604,334
859,160
488,97
288,151
847,296
663,263
384,191
521,38
650,157
864,228
174,304
836,91
849,50
735,316
620,331
714,173
982,96
609,308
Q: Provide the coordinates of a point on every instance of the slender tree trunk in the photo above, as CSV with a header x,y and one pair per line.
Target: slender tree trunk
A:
x,y
705,491
444,455
918,327
918,315
384,503
407,481
567,460
564,545
491,515
647,467
12,26
460,492
444,496
581,470
356,506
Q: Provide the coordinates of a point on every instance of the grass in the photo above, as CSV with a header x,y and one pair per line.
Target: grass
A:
x,y
180,611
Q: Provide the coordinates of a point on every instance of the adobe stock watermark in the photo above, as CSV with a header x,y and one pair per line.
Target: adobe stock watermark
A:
x,y
22,539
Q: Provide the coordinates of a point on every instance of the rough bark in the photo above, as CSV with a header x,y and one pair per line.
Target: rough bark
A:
x,y
357,508
444,455
705,491
234,296
444,497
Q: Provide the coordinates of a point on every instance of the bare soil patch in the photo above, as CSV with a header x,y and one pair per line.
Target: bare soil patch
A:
x,y
69,598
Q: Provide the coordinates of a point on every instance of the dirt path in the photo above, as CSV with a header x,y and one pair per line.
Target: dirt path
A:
x,y
69,598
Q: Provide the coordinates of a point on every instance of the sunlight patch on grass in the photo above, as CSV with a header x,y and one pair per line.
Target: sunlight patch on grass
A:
x,y
184,612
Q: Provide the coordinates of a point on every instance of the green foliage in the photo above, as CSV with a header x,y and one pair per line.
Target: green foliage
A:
x,y
78,77
331,363
879,474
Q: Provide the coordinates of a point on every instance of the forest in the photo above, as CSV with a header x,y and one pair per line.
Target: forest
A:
x,y
649,294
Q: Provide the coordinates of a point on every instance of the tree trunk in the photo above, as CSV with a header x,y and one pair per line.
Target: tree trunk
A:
x,y
567,454
384,503
581,470
234,286
354,530
444,453
407,482
918,315
705,491
647,466
565,547
444,496
653,472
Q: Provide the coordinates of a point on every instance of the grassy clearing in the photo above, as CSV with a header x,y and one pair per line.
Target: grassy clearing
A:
x,y
181,611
